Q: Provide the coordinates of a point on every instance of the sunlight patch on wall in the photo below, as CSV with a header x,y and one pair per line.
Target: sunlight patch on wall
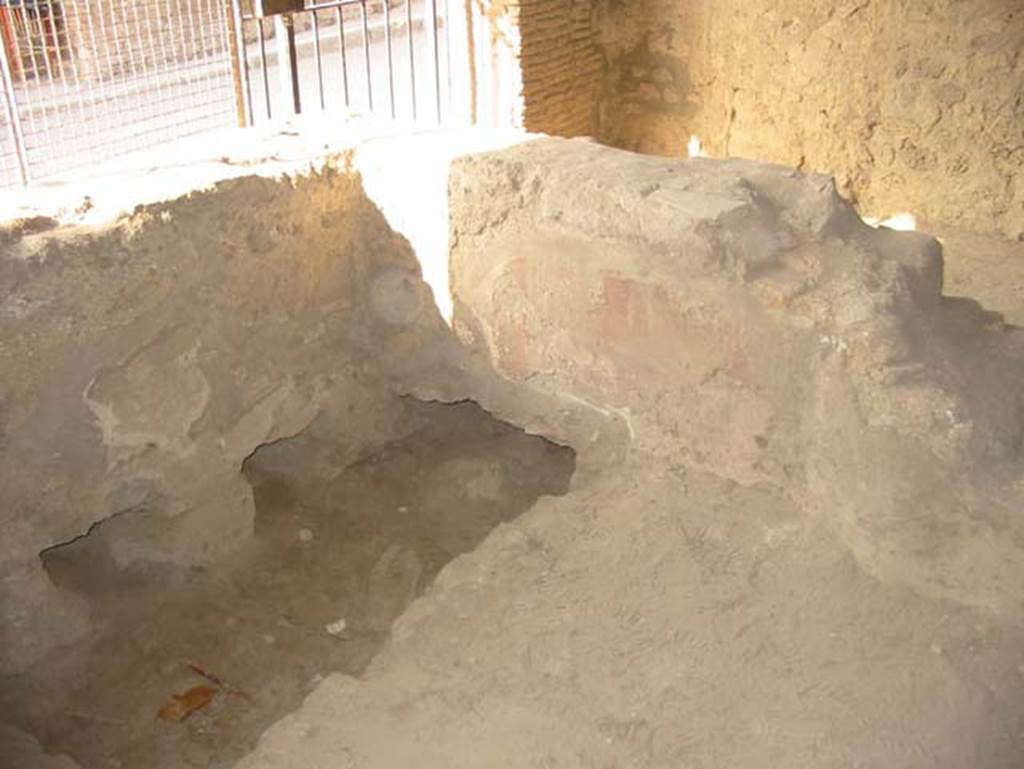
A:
x,y
694,148
904,221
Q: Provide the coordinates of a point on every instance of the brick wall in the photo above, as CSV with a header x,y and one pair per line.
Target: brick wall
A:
x,y
534,64
561,67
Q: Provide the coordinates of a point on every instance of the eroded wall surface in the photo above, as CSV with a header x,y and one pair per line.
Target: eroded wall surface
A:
x,y
912,105
141,363
751,325
807,553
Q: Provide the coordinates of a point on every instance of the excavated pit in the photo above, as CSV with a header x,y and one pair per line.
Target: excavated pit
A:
x,y
793,537
347,547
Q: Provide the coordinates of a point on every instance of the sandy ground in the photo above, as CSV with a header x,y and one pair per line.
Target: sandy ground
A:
x,y
988,269
358,549
667,619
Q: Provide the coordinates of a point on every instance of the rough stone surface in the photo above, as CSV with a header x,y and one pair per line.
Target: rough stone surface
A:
x,y
751,325
143,361
912,105
803,549
793,537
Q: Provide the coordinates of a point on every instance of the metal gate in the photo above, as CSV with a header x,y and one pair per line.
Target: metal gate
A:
x,y
87,80
383,57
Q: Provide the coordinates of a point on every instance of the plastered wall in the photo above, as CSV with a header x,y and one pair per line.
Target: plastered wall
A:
x,y
914,105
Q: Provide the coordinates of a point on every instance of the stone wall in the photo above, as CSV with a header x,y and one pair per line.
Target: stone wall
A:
x,y
914,105
144,360
737,317
746,322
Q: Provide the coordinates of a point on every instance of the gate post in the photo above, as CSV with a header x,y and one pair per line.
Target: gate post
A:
x,y
239,64
287,62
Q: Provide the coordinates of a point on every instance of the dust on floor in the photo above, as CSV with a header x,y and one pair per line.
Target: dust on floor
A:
x,y
351,554
987,269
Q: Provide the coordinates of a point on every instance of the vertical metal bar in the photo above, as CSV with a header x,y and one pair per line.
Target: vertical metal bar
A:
x,y
341,47
242,59
316,56
185,82
61,74
8,37
134,69
448,51
56,141
75,75
387,44
115,60
191,79
28,39
215,37
140,72
195,55
213,24
160,58
412,58
284,69
42,39
214,32
119,56
366,55
56,38
263,64
293,61
437,57
27,27
100,93
218,12
12,114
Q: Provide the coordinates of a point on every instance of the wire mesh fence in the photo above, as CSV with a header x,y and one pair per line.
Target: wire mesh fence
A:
x,y
89,80
85,81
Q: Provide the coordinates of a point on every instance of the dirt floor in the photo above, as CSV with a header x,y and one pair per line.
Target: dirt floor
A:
x,y
987,269
358,549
